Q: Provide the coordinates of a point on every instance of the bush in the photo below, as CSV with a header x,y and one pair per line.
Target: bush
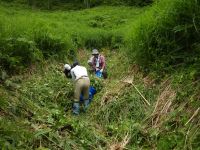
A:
x,y
17,53
49,44
52,45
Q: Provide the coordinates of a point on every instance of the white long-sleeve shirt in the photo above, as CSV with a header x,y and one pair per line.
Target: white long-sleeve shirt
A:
x,y
78,72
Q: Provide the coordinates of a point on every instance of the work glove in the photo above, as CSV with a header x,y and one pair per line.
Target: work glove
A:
x,y
101,70
97,69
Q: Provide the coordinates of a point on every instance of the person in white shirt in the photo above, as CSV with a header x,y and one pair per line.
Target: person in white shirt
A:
x,y
82,83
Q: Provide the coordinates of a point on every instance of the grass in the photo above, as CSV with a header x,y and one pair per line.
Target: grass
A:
x,y
43,33
35,110
65,23
161,39
47,109
41,106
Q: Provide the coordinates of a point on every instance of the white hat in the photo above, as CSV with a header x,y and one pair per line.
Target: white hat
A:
x,y
95,52
67,66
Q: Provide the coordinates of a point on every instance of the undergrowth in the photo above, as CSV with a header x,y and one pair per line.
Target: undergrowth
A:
x,y
35,110
166,38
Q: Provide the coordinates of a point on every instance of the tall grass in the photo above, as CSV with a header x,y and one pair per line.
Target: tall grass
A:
x,y
166,36
29,36
39,105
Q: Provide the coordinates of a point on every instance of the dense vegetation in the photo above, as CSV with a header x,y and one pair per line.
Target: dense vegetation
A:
x,y
167,37
44,34
161,43
77,4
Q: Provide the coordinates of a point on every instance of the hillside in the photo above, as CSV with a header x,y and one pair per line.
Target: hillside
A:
x,y
151,57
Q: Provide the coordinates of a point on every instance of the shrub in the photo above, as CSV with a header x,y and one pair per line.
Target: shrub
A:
x,y
53,45
17,53
49,44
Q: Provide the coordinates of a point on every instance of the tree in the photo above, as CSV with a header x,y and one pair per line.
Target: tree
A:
x,y
40,3
87,3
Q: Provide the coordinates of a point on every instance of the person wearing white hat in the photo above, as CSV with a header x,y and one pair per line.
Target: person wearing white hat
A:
x,y
82,83
97,63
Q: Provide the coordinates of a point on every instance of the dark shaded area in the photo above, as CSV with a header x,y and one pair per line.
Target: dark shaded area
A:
x,y
78,4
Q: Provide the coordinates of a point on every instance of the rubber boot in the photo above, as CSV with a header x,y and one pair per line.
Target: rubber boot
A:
x,y
76,108
86,104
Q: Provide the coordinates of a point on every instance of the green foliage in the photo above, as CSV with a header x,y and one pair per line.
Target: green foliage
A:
x,y
166,35
97,83
128,2
35,109
127,106
106,21
45,100
17,53
14,135
58,34
77,4
98,40
170,141
51,45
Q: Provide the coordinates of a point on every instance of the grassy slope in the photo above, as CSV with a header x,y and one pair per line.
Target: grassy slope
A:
x,y
59,31
32,110
38,103
63,23
32,105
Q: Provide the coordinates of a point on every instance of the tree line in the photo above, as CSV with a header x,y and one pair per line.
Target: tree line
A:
x,y
49,4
